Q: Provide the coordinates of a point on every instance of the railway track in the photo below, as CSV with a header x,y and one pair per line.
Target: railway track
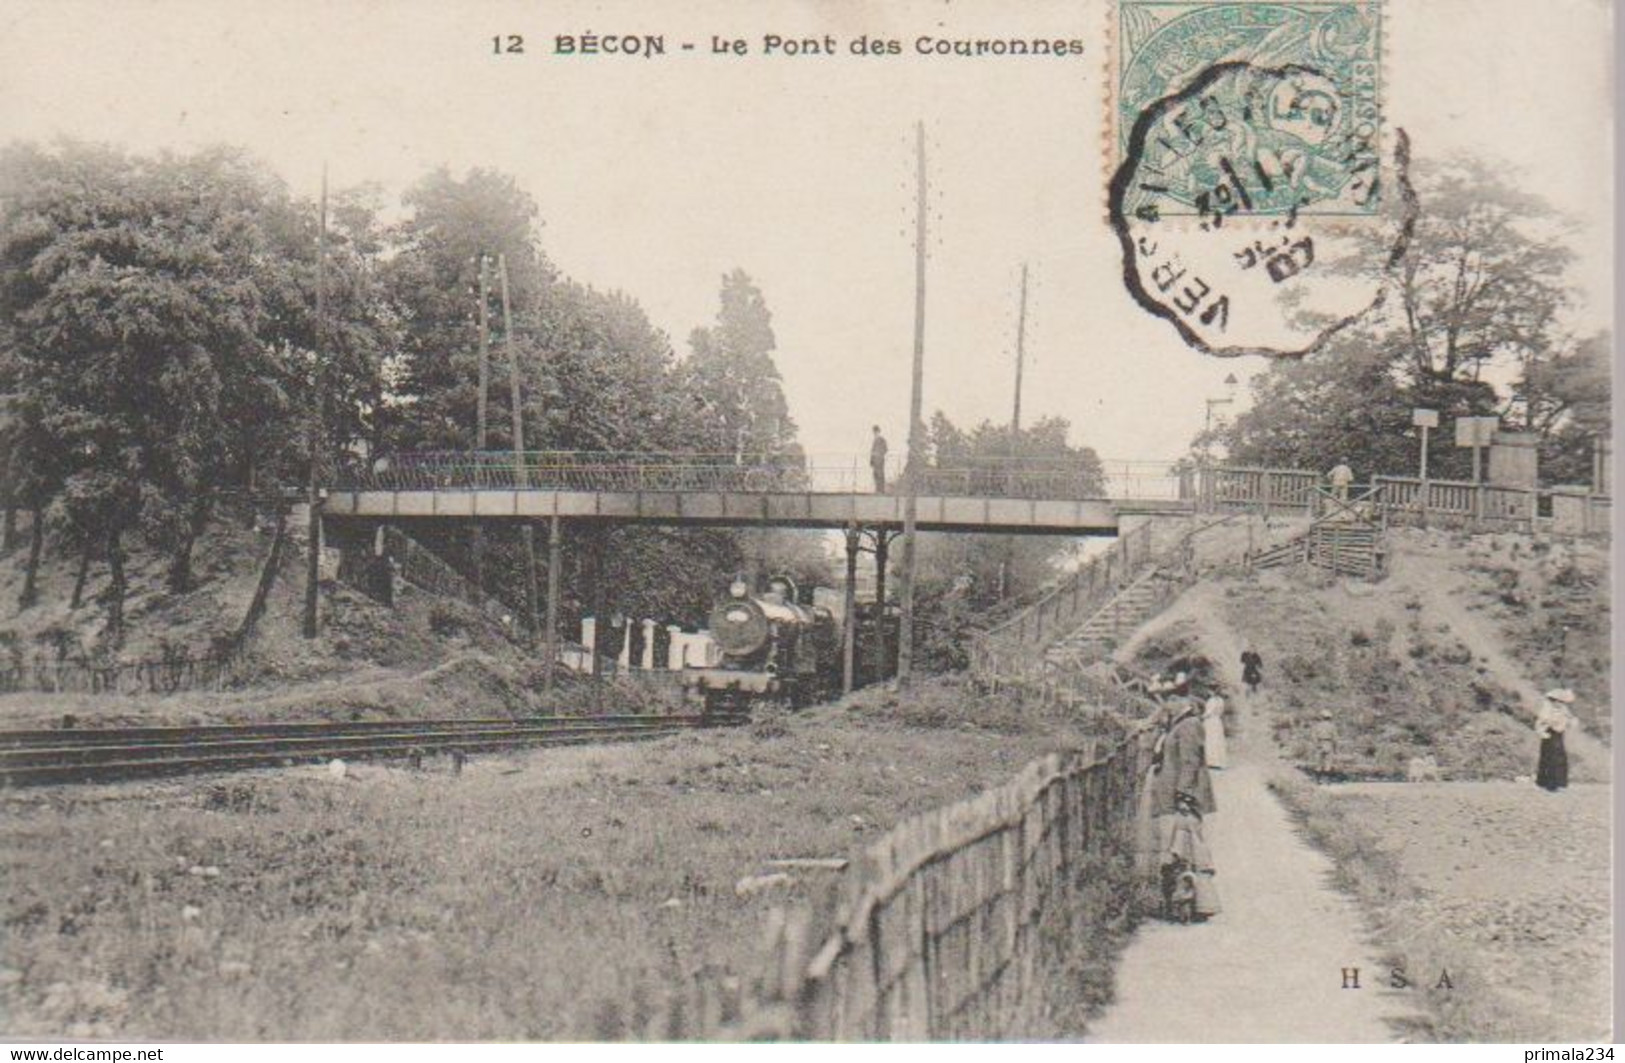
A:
x,y
41,757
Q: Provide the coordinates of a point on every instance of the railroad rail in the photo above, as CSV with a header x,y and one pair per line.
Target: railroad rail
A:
x,y
72,755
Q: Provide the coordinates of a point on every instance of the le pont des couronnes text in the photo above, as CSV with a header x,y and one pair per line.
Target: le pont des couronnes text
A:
x,y
775,46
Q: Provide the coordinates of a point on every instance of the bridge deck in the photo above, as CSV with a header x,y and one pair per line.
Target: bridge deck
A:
x,y
1036,516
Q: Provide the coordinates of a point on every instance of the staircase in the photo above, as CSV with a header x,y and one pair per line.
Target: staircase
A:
x,y
1116,620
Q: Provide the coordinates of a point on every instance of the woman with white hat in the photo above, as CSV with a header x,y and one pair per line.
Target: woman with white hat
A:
x,y
1550,723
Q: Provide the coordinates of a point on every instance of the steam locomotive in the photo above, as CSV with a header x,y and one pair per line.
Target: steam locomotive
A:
x,y
778,648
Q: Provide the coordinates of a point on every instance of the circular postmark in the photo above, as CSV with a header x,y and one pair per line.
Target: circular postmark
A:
x,y
1250,208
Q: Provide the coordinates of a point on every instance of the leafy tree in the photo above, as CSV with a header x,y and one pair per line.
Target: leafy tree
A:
x,y
129,286
1565,399
160,320
735,383
433,277
965,579
1479,294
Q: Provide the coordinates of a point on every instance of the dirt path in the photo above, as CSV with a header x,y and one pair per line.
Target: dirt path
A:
x,y
1269,967
1440,588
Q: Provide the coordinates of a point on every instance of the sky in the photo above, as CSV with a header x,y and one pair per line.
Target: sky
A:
x,y
657,176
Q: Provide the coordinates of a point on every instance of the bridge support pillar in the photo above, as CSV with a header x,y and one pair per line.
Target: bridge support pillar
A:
x,y
550,637
882,548
849,611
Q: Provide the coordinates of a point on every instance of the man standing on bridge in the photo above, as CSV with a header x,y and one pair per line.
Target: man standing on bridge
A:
x,y
877,461
1342,478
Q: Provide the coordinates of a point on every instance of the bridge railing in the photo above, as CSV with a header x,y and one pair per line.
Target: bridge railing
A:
x,y
1013,645
559,470
1228,486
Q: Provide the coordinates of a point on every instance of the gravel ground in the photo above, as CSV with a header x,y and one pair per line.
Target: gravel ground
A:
x,y
1518,877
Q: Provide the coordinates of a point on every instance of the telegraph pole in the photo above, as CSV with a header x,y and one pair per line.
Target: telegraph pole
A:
x,y
318,430
911,497
478,544
1006,562
1021,340
527,531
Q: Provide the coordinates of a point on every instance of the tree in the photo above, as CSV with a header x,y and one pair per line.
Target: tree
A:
x,y
128,285
433,276
1565,400
1478,295
158,313
965,578
734,380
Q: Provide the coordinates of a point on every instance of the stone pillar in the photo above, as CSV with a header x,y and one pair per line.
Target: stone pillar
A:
x,y
648,645
675,648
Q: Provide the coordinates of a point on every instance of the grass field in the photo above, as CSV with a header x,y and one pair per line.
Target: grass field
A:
x,y
546,895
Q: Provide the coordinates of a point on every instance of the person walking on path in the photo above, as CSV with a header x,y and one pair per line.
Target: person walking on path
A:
x,y
1181,797
877,460
1324,736
1252,669
1218,755
1342,478
1552,772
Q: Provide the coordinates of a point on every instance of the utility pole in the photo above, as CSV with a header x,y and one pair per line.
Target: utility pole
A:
x,y
527,531
911,498
1021,340
478,543
318,430
1008,561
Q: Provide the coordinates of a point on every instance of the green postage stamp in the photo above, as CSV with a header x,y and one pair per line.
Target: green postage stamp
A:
x,y
1227,107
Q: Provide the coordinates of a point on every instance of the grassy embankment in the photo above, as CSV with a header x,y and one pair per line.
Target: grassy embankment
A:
x,y
1397,668
553,894
428,656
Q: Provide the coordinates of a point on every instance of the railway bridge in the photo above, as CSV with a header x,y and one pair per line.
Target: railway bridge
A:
x,y
1007,496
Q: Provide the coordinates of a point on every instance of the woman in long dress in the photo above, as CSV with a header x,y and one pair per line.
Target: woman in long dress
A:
x,y
1181,797
1552,772
1218,755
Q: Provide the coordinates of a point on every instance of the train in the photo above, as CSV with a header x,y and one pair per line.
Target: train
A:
x,y
778,647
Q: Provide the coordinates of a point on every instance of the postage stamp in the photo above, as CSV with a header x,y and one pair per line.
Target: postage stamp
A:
x,y
1250,170
1289,92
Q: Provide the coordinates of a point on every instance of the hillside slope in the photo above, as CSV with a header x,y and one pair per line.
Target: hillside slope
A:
x,y
427,656
1420,663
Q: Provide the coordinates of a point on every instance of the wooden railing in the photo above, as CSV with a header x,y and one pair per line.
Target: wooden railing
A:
x,y
1004,648
1561,510
1230,486
939,937
1006,652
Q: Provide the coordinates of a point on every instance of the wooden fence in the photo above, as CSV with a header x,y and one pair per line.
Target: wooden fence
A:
x,y
1563,511
939,937
1230,486
943,927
